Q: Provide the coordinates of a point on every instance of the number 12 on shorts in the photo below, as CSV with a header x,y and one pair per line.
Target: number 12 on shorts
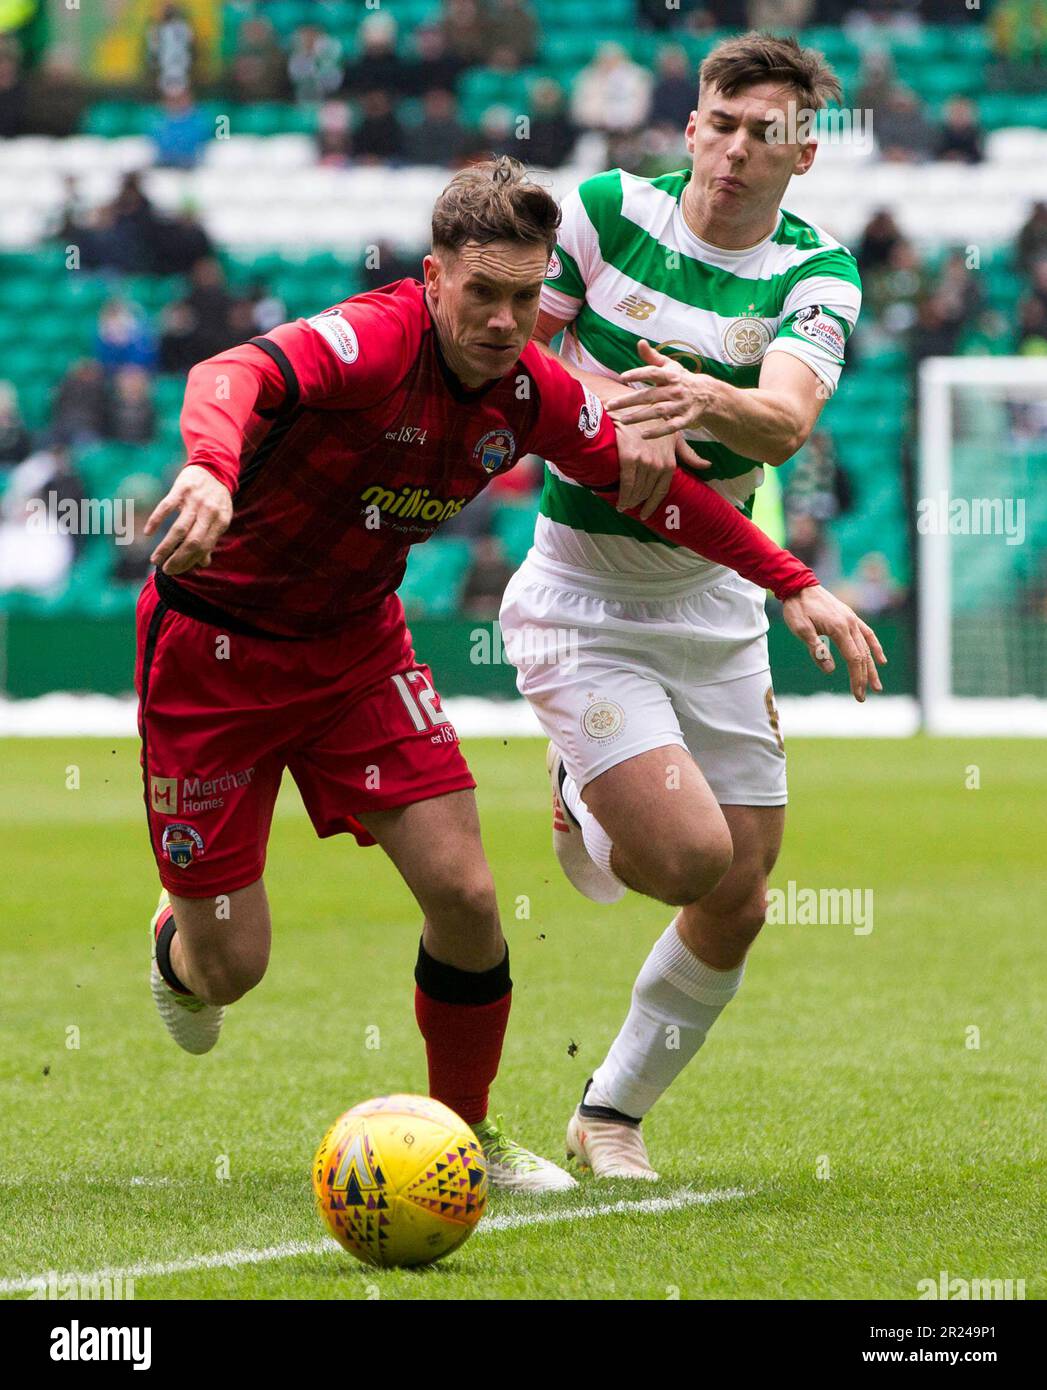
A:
x,y
420,703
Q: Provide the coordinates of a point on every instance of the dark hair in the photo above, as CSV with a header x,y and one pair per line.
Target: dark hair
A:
x,y
747,59
494,201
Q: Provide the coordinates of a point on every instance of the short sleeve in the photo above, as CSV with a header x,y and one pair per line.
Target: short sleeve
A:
x,y
820,310
349,355
572,264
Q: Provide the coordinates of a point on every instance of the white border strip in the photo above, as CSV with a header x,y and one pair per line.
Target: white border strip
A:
x,y
509,1221
817,716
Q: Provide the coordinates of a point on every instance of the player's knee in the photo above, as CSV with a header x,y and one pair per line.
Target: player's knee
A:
x,y
464,904
692,871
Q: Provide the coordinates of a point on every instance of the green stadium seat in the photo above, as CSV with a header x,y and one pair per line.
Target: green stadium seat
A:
x,y
436,576
513,525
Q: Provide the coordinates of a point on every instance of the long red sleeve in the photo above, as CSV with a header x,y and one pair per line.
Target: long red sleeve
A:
x,y
578,435
699,518
221,396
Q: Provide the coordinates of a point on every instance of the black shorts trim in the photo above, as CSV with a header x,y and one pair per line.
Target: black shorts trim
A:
x,y
175,597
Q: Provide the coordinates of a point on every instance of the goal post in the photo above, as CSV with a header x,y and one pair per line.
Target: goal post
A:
x,y
981,541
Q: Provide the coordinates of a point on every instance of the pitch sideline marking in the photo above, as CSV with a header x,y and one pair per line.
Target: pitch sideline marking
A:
x,y
509,1221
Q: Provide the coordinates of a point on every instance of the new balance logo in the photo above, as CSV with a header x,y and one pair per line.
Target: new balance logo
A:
x,y
635,307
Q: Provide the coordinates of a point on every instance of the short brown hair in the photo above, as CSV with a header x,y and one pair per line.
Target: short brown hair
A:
x,y
494,201
747,59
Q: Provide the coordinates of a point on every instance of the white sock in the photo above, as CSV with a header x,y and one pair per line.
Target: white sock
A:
x,y
676,1000
597,841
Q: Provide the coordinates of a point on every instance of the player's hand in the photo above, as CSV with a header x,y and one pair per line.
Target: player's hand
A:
x,y
205,509
673,397
646,468
814,615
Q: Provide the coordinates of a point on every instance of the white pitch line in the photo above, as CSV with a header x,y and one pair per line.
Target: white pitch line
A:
x,y
508,1221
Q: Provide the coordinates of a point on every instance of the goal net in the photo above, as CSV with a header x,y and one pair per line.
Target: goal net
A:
x,y
981,538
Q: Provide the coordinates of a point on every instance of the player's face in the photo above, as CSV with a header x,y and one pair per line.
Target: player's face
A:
x,y
485,304
741,160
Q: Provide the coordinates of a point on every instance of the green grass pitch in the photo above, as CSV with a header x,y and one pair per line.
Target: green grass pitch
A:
x,y
874,1145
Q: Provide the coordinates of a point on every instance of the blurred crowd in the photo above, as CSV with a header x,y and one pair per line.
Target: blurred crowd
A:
x,y
916,304
359,96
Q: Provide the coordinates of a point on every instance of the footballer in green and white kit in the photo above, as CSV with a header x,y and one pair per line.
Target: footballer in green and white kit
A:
x,y
647,666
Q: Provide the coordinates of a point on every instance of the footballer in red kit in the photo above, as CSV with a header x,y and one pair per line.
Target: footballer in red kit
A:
x,y
270,636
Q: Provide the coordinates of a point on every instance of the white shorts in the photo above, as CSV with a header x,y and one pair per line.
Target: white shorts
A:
x,y
610,678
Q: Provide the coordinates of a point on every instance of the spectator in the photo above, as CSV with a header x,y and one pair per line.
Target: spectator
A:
x,y
435,67
780,14
960,138
1032,326
489,573
960,291
1019,33
267,309
696,15
509,24
817,485
181,132
879,239
379,136
258,70
808,540
675,93
131,561
553,133
178,341
179,242
872,591
893,291
902,131
461,27
334,133
123,337
211,305
377,65
441,138
79,410
131,413
315,65
15,440
56,95
1032,239
612,93
171,48
33,559
876,83
45,485
933,333
385,264
497,134
125,232
13,96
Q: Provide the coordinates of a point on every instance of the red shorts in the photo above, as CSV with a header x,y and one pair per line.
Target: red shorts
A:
x,y
353,717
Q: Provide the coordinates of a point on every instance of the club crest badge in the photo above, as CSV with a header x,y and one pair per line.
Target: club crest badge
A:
x,y
745,340
494,450
182,844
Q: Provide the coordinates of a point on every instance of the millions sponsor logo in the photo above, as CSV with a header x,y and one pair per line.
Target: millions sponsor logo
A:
x,y
412,502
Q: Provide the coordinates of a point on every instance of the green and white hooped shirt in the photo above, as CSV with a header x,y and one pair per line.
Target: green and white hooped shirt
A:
x,y
626,267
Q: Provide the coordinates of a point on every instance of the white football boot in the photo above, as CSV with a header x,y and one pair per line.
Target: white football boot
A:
x,y
581,869
192,1023
609,1146
512,1168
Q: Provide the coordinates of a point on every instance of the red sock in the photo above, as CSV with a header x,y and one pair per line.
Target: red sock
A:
x,y
462,1016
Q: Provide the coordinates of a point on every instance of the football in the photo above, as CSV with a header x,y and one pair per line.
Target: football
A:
x,y
400,1180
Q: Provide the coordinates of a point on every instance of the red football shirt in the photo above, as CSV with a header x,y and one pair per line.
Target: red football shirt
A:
x,y
346,439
